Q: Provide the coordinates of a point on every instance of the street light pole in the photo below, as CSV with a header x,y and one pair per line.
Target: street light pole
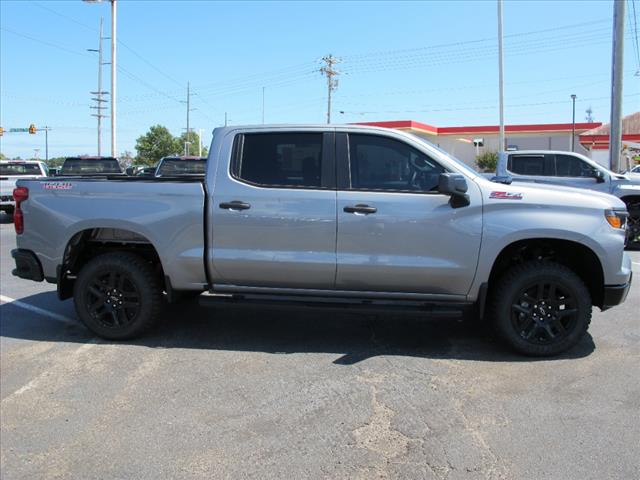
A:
x,y
46,143
573,123
501,153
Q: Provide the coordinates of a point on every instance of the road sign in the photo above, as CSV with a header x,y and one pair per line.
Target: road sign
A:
x,y
15,130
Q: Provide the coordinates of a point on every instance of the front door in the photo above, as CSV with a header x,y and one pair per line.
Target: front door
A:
x,y
274,212
396,233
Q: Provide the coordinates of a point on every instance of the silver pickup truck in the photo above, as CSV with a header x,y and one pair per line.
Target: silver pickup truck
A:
x,y
328,215
575,170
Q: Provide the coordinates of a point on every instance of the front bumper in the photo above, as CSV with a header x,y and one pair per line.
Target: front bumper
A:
x,y
615,294
27,265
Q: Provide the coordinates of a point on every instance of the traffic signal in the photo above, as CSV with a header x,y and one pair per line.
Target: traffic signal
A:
x,y
32,129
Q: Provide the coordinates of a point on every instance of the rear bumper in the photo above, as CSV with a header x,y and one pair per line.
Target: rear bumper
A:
x,y
615,294
27,265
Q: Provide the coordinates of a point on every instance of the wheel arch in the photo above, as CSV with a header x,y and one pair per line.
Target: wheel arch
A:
x,y
575,255
91,242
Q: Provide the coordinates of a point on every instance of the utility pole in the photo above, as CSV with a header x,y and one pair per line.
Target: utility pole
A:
x,y
114,150
573,123
225,119
113,74
615,126
189,110
199,142
501,153
332,84
98,94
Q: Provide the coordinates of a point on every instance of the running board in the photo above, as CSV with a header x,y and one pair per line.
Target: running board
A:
x,y
431,309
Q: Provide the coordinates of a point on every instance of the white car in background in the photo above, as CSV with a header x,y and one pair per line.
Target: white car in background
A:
x,y
13,170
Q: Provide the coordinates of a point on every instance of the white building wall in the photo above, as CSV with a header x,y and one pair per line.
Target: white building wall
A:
x,y
462,146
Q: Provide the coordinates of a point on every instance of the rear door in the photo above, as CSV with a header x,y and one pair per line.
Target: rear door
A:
x,y
396,233
274,211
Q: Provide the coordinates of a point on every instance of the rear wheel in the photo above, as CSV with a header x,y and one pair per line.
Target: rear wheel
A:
x,y
117,295
540,309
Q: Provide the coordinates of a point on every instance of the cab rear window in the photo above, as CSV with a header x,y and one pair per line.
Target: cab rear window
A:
x,y
9,169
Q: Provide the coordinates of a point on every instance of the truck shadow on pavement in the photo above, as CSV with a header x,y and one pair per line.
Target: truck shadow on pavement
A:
x,y
356,336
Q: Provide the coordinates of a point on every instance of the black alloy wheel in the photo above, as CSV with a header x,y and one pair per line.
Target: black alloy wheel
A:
x,y
117,295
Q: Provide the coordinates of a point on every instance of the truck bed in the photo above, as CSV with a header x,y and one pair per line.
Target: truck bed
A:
x,y
166,212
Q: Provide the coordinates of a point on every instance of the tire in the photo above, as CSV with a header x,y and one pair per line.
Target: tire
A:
x,y
633,225
117,296
527,305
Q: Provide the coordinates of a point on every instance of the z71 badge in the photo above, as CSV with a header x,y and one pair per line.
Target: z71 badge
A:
x,y
506,195
58,186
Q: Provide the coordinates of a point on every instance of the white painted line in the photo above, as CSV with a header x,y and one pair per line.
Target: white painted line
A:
x,y
38,310
34,383
636,263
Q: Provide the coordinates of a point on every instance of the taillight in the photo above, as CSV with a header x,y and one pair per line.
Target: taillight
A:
x,y
20,194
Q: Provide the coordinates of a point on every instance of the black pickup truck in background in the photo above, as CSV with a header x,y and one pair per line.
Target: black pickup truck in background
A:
x,y
90,166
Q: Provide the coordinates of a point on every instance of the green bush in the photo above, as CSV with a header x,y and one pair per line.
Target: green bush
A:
x,y
487,161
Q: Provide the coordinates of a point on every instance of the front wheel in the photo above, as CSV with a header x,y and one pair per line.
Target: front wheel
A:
x,y
117,295
540,308
633,225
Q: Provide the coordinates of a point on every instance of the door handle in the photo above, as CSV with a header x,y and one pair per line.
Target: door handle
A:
x,y
360,208
235,205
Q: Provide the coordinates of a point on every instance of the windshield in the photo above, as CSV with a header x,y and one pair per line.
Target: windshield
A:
x,y
89,165
14,169
459,162
182,167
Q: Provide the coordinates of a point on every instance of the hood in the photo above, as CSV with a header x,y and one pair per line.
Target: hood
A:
x,y
548,194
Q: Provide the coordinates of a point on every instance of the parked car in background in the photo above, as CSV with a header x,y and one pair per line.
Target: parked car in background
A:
x,y
10,172
324,216
636,169
146,172
575,170
90,166
177,166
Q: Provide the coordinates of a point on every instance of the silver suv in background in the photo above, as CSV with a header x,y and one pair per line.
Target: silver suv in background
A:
x,y
575,170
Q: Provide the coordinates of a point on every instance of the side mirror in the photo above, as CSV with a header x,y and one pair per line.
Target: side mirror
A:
x,y
455,185
599,176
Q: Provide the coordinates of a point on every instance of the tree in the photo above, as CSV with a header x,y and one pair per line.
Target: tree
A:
x,y
194,140
126,159
155,144
55,162
487,161
2,156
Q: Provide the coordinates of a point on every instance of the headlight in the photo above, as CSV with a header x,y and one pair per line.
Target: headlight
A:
x,y
616,218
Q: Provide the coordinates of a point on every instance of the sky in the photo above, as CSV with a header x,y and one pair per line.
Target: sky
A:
x,y
433,62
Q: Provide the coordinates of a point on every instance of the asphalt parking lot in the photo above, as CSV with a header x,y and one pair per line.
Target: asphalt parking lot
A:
x,y
241,393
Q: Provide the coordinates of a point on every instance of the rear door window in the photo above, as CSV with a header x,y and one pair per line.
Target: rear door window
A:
x,y
288,160
526,164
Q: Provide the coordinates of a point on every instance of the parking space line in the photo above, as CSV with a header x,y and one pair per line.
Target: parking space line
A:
x,y
38,310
